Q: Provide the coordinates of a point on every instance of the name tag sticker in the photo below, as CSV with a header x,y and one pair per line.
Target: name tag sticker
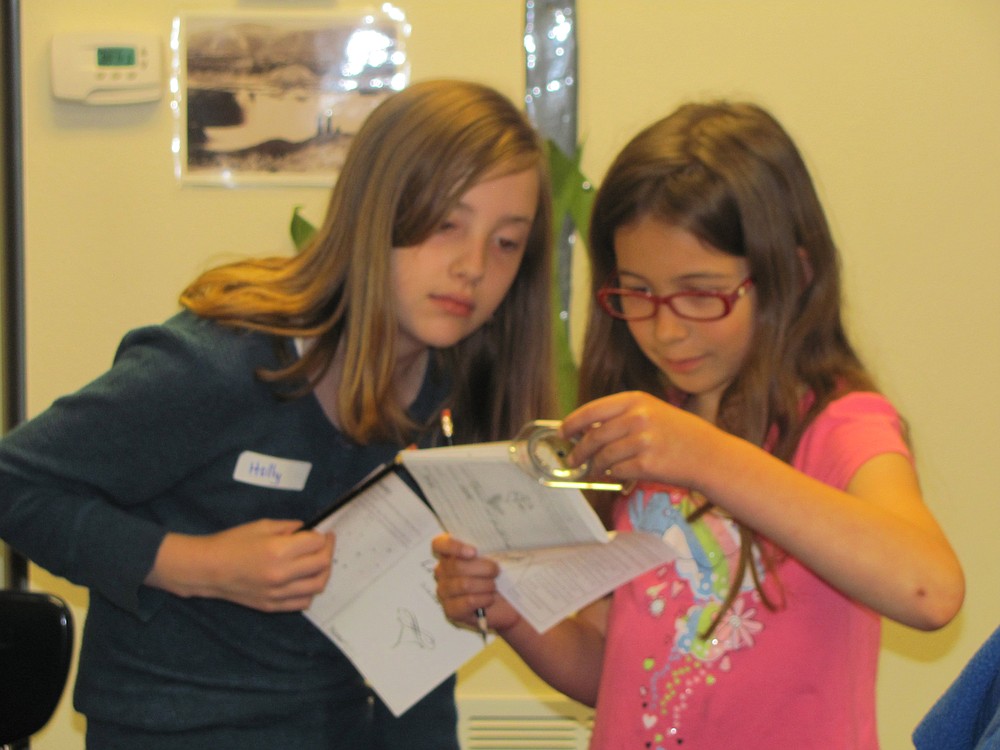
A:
x,y
271,471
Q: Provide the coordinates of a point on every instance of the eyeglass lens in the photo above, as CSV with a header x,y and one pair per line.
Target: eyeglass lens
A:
x,y
636,305
686,305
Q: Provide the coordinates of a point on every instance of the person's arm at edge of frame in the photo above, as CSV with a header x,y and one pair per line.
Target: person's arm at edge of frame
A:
x,y
568,656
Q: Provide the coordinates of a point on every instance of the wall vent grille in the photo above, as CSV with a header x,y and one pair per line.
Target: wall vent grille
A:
x,y
523,724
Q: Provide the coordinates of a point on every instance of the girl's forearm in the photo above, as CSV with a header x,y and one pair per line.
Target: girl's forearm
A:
x,y
568,657
876,543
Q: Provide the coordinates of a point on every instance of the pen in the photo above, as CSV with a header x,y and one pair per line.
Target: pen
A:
x,y
448,429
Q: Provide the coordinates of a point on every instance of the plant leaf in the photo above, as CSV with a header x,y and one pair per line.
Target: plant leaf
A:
x,y
572,192
572,199
301,229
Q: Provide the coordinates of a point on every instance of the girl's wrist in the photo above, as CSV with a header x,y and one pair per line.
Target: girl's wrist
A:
x,y
178,567
513,628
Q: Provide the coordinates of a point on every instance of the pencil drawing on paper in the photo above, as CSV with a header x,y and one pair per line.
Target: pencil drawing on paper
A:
x,y
411,632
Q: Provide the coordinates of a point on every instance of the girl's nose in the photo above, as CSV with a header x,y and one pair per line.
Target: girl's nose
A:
x,y
668,326
470,263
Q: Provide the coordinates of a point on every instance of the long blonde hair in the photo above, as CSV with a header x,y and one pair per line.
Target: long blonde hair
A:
x,y
409,164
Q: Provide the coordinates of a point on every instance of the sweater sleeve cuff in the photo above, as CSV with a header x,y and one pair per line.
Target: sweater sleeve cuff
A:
x,y
118,568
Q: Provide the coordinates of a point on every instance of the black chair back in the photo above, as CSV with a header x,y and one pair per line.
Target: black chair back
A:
x,y
36,647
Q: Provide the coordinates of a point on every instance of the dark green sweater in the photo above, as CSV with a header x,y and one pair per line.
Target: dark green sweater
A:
x,y
89,488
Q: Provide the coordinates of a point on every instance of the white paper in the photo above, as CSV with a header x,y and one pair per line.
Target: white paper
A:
x,y
380,605
553,550
484,498
545,586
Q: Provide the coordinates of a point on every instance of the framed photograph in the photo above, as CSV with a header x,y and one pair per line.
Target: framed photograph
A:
x,y
274,97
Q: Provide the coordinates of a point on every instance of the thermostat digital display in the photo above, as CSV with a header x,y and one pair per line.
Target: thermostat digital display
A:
x,y
111,57
107,67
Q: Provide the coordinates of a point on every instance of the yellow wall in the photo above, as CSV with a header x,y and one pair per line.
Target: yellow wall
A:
x,y
894,104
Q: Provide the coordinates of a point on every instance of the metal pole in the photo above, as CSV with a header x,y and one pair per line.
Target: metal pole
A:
x,y
551,100
12,312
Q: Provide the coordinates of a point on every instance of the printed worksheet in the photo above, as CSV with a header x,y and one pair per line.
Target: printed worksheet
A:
x,y
554,553
545,585
380,606
484,498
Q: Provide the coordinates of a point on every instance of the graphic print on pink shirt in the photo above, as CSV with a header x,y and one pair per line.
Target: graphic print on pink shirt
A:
x,y
689,594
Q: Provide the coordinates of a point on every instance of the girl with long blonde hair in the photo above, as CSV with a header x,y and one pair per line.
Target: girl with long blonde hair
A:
x,y
175,487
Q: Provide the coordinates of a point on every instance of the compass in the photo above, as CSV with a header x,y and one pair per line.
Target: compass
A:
x,y
543,453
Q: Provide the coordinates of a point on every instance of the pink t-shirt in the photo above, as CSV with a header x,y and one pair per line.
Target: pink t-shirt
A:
x,y
797,678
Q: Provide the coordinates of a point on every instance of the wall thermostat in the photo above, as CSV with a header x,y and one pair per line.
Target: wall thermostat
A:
x,y
107,68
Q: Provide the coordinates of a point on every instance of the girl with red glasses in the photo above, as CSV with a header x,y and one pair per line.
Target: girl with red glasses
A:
x,y
719,381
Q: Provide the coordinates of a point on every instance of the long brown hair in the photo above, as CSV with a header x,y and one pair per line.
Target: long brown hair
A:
x,y
409,164
730,174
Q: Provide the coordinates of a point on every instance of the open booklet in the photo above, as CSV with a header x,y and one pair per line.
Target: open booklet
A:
x,y
380,605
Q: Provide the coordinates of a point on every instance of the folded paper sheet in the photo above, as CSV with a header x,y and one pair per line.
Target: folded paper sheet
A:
x,y
380,605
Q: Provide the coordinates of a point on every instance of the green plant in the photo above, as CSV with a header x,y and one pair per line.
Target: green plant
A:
x,y
572,199
301,229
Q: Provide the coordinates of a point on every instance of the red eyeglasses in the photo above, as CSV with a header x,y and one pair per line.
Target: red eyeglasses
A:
x,y
633,304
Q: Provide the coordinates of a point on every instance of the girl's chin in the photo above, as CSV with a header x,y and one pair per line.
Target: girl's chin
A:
x,y
443,339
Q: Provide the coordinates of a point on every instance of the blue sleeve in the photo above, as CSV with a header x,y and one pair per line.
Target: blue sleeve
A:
x,y
967,715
